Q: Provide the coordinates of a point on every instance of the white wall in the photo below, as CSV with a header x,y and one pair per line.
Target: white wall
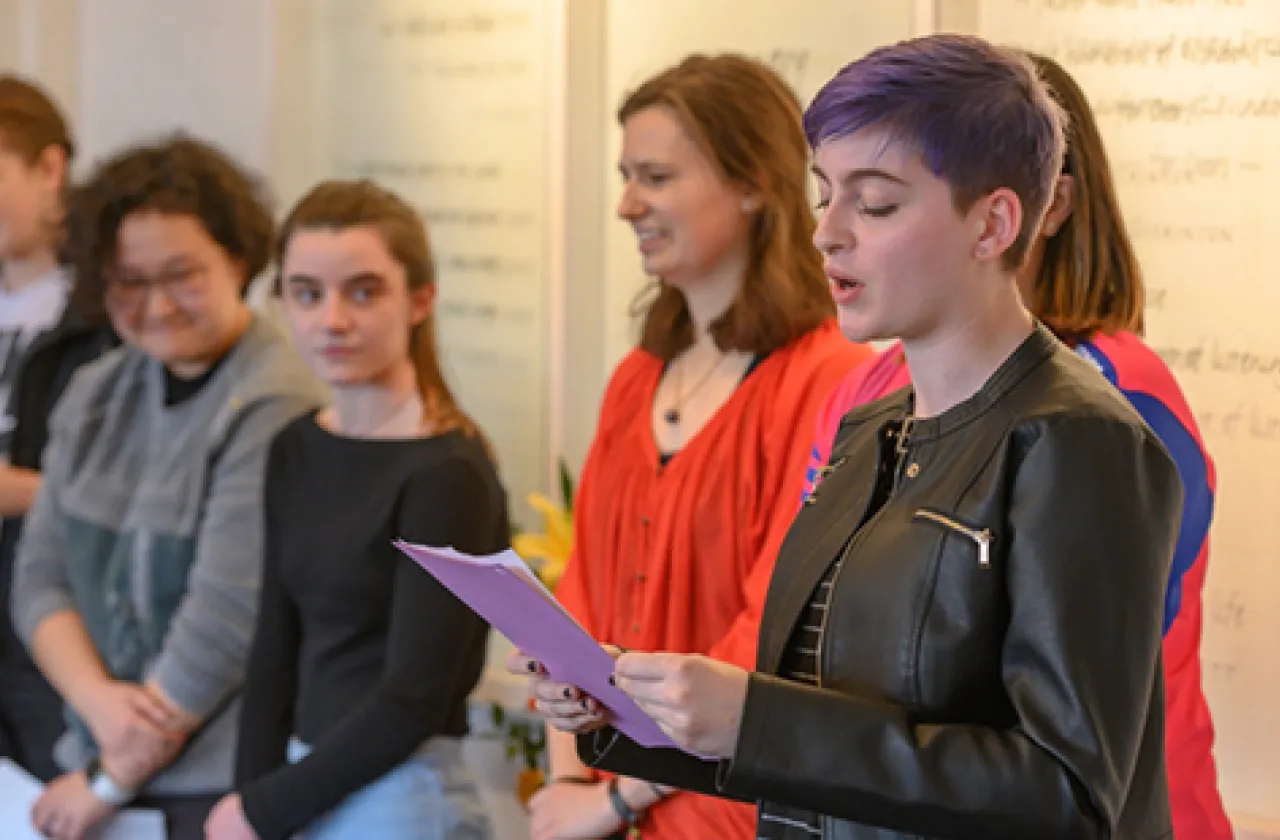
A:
x,y
39,38
149,67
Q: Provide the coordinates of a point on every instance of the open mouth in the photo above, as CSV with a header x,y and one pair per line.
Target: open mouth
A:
x,y
844,289
649,240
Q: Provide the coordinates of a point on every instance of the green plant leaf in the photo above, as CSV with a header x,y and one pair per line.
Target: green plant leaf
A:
x,y
566,486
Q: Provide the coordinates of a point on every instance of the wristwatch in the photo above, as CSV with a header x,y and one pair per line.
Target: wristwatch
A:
x,y
104,787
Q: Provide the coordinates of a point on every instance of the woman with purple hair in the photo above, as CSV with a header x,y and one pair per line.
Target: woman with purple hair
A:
x,y
962,636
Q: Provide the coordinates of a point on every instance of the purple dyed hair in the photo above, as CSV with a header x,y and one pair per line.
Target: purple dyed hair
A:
x,y
978,114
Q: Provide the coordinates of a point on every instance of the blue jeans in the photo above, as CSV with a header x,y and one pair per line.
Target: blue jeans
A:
x,y
432,796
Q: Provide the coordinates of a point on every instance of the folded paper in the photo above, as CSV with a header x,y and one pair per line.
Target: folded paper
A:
x,y
504,592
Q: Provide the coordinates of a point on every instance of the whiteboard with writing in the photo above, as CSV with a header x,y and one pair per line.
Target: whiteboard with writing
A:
x,y
807,42
1187,93
445,102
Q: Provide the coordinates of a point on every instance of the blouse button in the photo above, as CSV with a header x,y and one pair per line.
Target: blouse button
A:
x,y
913,470
635,628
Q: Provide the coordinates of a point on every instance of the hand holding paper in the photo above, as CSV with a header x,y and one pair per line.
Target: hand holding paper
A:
x,y
503,591
696,700
562,705
19,793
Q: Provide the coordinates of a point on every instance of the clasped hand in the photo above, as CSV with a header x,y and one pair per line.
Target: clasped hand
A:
x,y
697,701
137,733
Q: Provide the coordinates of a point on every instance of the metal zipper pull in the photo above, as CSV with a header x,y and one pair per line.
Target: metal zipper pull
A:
x,y
903,434
981,536
984,548
900,452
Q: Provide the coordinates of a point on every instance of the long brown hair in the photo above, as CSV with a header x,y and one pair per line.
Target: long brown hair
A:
x,y
339,205
747,122
1090,280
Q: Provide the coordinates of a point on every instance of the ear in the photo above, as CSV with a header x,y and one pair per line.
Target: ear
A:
x,y
997,219
751,197
52,164
1061,205
422,302
241,269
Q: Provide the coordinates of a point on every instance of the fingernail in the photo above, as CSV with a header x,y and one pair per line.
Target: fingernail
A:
x,y
568,695
586,707
532,666
612,681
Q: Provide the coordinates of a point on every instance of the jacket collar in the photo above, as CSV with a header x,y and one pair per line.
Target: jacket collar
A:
x,y
839,502
1034,349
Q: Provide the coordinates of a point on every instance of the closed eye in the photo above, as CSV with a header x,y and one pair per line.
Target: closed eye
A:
x,y
879,212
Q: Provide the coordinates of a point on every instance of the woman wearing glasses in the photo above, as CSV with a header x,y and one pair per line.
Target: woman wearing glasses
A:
x,y
136,582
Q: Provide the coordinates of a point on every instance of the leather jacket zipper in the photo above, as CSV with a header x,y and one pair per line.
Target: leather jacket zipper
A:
x,y
981,536
900,452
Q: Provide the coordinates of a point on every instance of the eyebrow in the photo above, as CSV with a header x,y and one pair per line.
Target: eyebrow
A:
x,y
863,174
362,277
365,277
641,165
178,261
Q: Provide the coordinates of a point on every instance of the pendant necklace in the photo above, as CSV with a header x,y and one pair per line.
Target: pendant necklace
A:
x,y
672,415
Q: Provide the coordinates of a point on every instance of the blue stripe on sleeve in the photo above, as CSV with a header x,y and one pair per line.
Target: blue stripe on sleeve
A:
x,y
1197,500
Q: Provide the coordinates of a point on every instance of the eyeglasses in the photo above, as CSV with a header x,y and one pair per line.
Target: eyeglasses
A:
x,y
183,284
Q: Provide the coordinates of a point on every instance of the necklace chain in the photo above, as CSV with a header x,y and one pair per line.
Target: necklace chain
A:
x,y
672,414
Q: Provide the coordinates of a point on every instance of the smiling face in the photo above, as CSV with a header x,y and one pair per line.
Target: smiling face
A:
x,y
690,222
349,304
174,292
902,261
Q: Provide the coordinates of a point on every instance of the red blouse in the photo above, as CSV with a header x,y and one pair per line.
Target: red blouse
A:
x,y
678,558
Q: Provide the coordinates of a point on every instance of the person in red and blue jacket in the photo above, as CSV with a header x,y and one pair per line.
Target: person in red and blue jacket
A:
x,y
1083,280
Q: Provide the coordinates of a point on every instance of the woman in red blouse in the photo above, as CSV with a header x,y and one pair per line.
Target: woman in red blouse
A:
x,y
698,462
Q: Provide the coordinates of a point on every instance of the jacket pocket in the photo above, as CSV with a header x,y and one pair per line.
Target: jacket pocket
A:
x,y
981,537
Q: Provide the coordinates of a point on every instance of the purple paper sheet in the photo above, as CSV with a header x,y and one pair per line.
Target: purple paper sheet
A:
x,y
538,627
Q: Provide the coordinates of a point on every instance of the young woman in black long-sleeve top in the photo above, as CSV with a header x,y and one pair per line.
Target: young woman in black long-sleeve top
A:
x,y
362,662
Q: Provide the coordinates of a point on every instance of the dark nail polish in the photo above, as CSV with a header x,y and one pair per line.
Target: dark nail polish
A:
x,y
586,707
533,667
568,694
612,681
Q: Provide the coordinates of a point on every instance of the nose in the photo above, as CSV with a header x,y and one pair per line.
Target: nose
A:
x,y
828,236
630,205
157,305
336,317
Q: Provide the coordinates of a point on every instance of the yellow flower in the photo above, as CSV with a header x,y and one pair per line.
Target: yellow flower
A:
x,y
547,553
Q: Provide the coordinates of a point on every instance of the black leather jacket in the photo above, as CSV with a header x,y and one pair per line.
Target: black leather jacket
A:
x,y
1005,690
